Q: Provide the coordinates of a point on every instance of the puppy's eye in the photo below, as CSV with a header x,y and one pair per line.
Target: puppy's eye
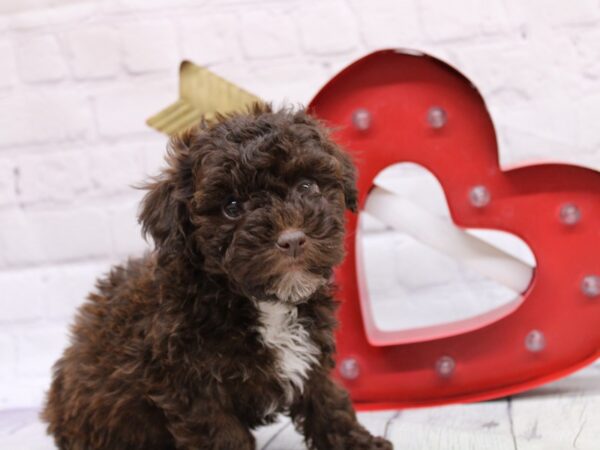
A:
x,y
307,187
232,208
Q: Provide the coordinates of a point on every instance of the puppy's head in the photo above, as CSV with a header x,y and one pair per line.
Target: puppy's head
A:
x,y
257,197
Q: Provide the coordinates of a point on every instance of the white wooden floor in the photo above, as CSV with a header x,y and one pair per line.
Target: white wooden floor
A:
x,y
563,415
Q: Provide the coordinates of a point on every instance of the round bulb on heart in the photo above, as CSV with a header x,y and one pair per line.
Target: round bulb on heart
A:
x,y
569,214
349,368
437,117
479,196
361,119
535,341
445,366
590,286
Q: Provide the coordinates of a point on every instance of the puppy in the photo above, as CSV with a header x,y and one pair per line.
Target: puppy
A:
x,y
230,320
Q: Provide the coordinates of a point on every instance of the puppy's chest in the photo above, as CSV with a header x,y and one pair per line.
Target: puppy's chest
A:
x,y
294,352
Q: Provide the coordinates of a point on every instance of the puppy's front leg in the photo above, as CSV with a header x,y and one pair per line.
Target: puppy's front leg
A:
x,y
206,425
325,415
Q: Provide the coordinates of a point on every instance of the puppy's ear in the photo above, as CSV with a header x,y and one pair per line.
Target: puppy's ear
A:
x,y
348,180
160,212
164,211
347,174
347,168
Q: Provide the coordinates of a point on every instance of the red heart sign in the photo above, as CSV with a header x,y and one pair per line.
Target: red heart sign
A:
x,y
554,208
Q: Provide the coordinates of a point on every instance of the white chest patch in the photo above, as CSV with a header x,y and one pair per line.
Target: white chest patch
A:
x,y
283,332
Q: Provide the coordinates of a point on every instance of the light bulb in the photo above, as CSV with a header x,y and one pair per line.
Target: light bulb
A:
x,y
479,196
361,119
445,366
349,368
590,286
535,341
569,214
436,117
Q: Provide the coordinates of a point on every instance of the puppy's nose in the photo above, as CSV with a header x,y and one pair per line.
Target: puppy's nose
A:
x,y
291,242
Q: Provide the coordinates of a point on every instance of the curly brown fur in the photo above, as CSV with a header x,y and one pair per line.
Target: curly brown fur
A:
x,y
221,327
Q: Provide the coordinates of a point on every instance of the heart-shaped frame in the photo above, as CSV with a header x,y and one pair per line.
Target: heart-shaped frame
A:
x,y
557,315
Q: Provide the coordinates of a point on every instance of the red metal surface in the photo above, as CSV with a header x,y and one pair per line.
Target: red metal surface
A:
x,y
398,89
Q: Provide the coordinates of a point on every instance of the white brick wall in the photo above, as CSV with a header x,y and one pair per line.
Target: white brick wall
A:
x,y
39,58
93,52
149,46
77,82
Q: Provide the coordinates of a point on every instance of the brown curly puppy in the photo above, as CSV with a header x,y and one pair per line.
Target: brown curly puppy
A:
x,y
230,320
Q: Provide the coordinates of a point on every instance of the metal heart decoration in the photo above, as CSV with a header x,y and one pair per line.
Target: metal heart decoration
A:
x,y
393,106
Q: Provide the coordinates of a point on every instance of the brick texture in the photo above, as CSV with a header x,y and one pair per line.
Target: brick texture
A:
x,y
315,22
8,73
93,52
267,34
8,194
58,177
39,117
210,38
149,46
40,58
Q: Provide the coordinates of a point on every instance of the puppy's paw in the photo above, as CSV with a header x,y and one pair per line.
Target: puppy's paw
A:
x,y
363,440
358,439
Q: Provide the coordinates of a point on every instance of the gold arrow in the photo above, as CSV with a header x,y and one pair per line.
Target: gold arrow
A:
x,y
202,94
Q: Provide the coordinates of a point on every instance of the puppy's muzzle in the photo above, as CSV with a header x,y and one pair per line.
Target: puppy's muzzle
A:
x,y
292,242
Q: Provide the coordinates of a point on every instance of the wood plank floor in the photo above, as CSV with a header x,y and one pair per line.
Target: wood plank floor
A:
x,y
563,415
